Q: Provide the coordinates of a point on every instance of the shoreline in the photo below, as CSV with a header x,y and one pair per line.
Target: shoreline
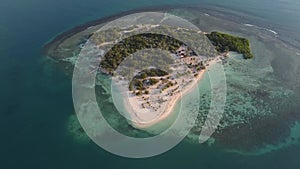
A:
x,y
215,11
172,108
171,105
60,37
137,118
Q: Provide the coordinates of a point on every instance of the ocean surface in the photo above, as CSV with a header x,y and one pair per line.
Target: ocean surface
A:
x,y
36,97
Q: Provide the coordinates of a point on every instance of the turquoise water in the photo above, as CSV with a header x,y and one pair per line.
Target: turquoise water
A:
x,y
36,99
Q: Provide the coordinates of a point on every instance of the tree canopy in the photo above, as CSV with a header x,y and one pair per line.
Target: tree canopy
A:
x,y
224,43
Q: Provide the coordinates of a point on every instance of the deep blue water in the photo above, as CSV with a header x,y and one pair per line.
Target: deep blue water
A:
x,y
36,99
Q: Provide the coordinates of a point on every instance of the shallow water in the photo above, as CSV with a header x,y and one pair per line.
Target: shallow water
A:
x,y
36,100
257,97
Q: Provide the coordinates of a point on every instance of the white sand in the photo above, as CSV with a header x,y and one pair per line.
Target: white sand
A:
x,y
142,117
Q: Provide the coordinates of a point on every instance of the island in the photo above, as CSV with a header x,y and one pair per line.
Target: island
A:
x,y
150,93
254,105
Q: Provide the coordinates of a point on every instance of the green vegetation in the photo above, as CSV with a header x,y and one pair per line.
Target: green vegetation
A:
x,y
169,84
137,84
150,81
139,93
151,73
132,44
225,43
142,80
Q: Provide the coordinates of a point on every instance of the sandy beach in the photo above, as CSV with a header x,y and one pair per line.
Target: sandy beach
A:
x,y
141,119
